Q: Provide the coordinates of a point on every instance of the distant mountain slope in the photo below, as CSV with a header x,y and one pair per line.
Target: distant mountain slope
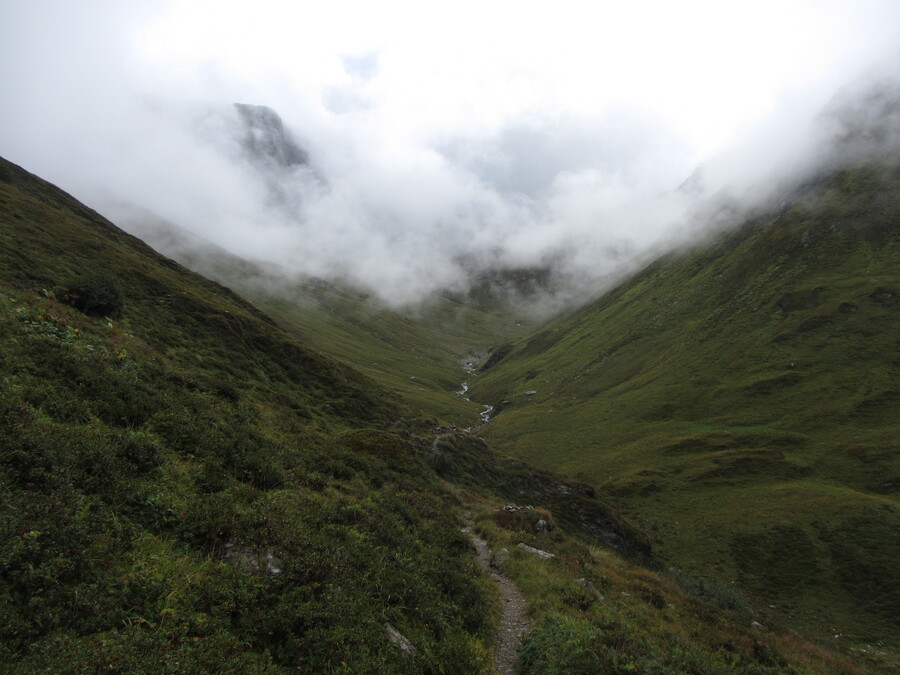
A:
x,y
742,399
417,353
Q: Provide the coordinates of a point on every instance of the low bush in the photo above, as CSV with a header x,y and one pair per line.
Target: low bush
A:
x,y
95,295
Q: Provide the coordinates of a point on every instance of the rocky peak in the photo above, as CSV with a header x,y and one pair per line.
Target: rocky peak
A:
x,y
265,138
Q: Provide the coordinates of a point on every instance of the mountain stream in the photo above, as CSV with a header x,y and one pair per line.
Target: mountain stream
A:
x,y
485,415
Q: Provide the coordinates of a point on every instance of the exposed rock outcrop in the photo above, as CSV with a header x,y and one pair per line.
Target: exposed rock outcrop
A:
x,y
265,139
402,643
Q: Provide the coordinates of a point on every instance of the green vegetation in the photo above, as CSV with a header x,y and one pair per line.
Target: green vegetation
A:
x,y
595,613
417,355
418,352
738,400
185,487
95,295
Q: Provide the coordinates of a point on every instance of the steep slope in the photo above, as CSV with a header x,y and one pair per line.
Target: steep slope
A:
x,y
185,487
740,399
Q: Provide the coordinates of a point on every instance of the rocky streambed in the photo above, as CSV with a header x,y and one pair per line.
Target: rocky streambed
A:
x,y
468,365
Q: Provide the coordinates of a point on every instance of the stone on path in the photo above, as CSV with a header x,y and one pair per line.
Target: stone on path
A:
x,y
499,558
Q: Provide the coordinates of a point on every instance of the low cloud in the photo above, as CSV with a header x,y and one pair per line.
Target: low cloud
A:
x,y
425,168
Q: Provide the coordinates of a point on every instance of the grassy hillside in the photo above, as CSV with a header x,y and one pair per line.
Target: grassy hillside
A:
x,y
418,352
740,400
185,488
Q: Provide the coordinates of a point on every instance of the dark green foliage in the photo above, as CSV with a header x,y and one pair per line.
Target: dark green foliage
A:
x,y
183,490
96,295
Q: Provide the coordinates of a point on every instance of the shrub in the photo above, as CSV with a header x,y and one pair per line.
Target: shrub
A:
x,y
95,295
441,463
141,452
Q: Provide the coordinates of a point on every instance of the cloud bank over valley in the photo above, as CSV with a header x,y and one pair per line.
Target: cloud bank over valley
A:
x,y
407,148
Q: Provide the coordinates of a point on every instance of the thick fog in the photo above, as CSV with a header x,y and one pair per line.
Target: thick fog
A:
x,y
430,142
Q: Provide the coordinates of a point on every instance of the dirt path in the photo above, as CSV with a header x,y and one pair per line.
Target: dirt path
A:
x,y
513,622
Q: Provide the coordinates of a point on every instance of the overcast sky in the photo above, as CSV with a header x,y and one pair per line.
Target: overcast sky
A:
x,y
444,136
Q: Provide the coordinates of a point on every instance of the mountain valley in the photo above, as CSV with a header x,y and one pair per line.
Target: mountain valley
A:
x,y
450,339
189,479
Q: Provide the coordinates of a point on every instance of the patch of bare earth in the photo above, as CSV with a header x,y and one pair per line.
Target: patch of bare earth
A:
x,y
513,622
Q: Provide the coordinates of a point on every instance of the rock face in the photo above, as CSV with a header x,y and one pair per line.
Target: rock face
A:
x,y
265,139
497,355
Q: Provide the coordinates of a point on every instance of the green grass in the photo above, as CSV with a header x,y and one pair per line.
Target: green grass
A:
x,y
186,487
739,401
593,612
416,352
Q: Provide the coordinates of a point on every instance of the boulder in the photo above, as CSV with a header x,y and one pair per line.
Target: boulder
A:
x,y
397,638
499,558
588,585
252,560
543,555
